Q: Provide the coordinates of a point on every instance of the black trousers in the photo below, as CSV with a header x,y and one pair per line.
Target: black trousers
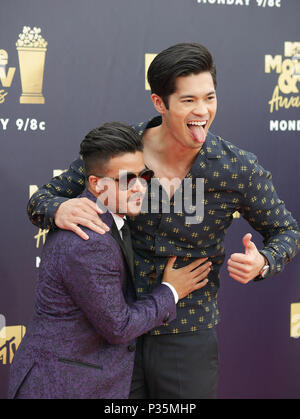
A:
x,y
177,366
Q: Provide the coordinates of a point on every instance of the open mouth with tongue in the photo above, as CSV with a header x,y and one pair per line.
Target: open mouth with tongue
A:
x,y
197,130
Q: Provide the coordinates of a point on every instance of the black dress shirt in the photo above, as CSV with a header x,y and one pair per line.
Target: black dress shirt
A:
x,y
233,181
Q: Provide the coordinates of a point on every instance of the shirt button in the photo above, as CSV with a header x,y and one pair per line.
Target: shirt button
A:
x,y
131,348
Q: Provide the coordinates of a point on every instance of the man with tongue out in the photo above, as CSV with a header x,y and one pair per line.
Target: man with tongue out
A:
x,y
180,359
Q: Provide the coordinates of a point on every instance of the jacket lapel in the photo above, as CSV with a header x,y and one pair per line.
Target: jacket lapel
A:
x,y
109,221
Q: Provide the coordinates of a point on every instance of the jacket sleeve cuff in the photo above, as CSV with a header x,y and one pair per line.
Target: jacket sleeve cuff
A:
x,y
166,302
176,298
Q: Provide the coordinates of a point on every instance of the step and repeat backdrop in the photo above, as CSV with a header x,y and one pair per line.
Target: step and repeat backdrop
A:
x,y
69,66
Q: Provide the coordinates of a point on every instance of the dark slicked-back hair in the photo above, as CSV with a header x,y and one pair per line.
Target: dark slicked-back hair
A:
x,y
110,140
178,60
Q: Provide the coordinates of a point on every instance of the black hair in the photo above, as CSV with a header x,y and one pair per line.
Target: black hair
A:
x,y
178,60
110,140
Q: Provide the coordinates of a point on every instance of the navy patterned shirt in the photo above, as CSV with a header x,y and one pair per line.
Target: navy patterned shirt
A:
x,y
232,180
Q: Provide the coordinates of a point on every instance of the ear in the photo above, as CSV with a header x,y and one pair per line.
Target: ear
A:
x,y
93,180
95,184
158,104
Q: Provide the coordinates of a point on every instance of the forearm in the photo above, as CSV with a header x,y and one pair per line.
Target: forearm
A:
x,y
134,320
280,246
268,215
95,285
41,208
44,203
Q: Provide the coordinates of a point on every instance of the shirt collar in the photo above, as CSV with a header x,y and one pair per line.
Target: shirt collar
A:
x,y
119,221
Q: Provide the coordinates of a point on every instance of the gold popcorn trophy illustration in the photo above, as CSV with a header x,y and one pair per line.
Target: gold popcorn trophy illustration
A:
x,y
31,48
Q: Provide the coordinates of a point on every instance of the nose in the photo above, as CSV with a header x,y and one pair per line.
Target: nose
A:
x,y
200,108
139,185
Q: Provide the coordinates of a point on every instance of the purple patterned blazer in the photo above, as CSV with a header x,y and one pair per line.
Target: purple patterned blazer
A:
x,y
80,342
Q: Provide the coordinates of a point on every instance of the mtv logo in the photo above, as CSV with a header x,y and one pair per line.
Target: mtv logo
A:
x,y
6,77
57,172
148,60
292,49
295,320
10,343
2,326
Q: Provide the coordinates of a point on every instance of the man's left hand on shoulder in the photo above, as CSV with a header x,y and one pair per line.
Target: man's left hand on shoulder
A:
x,y
243,267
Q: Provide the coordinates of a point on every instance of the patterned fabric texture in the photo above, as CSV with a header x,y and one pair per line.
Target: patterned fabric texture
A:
x,y
233,181
81,340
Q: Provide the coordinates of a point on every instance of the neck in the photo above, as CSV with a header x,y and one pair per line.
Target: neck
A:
x,y
171,149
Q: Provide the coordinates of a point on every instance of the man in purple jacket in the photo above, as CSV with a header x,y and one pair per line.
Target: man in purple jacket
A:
x,y
81,340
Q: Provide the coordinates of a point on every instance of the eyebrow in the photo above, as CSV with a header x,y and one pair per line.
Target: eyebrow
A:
x,y
213,92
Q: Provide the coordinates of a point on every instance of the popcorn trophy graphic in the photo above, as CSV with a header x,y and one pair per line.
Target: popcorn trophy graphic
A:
x,y
292,49
31,48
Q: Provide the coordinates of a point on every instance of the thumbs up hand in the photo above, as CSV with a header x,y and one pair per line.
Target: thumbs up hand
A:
x,y
243,267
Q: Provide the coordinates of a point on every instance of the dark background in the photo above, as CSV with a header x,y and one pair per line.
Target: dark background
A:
x,y
95,72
